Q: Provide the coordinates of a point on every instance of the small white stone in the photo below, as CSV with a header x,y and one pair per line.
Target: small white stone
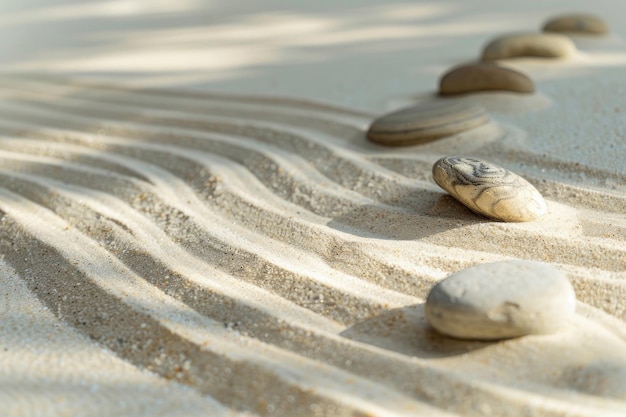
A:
x,y
488,189
500,300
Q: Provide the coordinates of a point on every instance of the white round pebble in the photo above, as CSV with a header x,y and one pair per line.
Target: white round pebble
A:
x,y
488,189
501,300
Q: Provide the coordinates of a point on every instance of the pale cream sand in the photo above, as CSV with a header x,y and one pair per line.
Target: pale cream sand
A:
x,y
193,222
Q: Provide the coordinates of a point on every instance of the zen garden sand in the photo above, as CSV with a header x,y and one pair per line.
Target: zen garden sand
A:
x,y
236,209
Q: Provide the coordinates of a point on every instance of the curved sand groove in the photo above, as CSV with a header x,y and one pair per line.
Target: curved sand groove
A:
x,y
71,84
338,251
31,222
124,388
387,282
593,199
274,238
540,227
219,242
82,197
550,252
382,267
343,122
515,253
347,126
357,174
167,331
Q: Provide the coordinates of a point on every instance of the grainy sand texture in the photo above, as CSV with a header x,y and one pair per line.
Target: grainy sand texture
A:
x,y
193,223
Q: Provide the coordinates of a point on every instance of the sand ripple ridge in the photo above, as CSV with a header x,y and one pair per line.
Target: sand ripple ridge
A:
x,y
262,253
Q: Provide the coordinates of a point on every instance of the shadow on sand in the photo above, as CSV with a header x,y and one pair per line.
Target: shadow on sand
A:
x,y
405,330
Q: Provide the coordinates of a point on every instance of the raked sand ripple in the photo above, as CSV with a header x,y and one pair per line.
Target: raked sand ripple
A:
x,y
260,256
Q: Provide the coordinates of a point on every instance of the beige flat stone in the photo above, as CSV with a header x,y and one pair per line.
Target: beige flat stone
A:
x,y
577,23
484,77
426,122
488,189
500,300
544,45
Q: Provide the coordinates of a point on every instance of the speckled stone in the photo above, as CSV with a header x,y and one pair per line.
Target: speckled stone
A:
x,y
577,23
544,45
488,189
484,77
426,122
501,300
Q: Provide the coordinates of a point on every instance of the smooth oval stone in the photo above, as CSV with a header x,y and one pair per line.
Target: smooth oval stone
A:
x,y
500,300
577,23
488,189
545,45
484,77
426,122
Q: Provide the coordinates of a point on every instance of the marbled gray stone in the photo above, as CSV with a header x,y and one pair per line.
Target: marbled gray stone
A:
x,y
488,189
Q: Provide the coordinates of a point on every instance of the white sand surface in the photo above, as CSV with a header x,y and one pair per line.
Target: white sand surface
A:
x,y
193,223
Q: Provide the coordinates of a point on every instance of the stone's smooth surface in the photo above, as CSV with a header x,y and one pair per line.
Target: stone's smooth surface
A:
x,y
577,23
545,45
484,77
426,122
500,300
488,189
